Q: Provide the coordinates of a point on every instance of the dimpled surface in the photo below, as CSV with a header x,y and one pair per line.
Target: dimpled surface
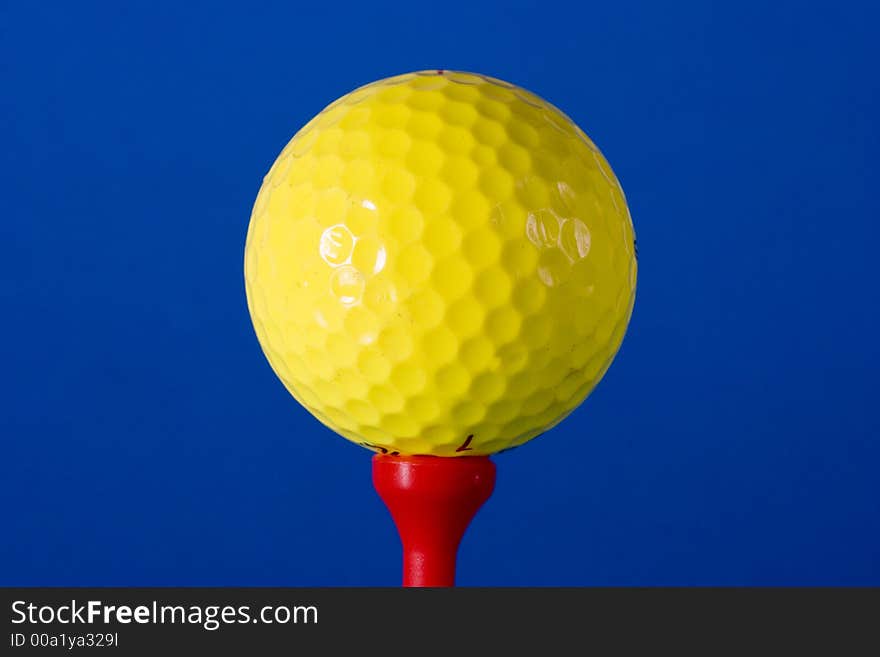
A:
x,y
440,263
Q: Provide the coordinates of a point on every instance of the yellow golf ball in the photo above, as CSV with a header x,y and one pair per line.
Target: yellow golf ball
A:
x,y
440,263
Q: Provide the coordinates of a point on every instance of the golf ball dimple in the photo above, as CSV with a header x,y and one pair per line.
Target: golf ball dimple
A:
x,y
440,263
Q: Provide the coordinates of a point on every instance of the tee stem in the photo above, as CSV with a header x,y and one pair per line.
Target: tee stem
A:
x,y
432,500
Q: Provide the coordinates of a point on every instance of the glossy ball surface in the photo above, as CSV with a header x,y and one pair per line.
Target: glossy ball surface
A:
x,y
440,263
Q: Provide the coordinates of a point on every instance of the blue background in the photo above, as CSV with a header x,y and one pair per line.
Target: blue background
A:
x,y
145,440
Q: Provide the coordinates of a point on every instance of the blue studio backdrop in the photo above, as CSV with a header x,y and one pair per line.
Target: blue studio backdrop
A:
x,y
145,440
